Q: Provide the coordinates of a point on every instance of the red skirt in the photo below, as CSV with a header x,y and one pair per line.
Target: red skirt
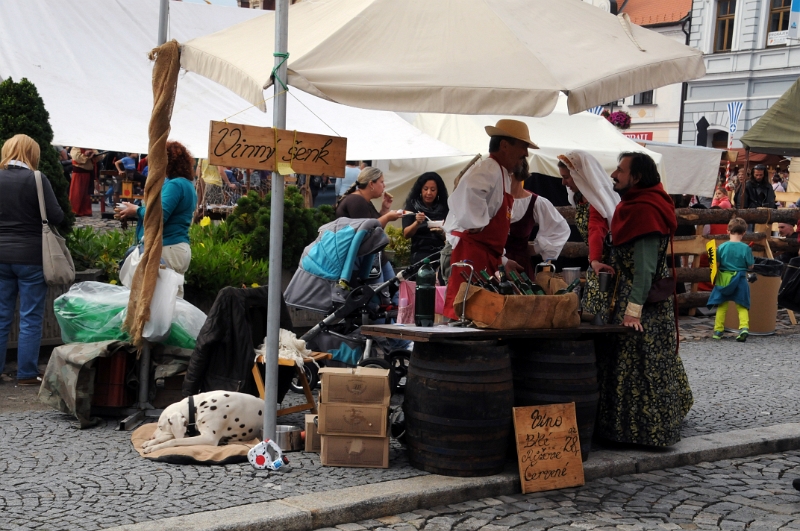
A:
x,y
79,194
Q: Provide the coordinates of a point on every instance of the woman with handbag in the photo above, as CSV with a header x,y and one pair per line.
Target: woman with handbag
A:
x,y
21,270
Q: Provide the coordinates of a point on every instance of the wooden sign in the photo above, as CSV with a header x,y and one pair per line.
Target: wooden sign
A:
x,y
127,189
548,447
254,148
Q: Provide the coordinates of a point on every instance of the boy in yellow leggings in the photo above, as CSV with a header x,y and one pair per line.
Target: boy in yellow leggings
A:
x,y
734,259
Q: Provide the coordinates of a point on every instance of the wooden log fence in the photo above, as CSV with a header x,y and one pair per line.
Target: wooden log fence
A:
x,y
762,242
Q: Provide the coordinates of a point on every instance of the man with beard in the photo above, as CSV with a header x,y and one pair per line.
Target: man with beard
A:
x,y
481,206
758,191
644,391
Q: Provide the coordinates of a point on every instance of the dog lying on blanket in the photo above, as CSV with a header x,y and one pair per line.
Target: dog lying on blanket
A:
x,y
220,416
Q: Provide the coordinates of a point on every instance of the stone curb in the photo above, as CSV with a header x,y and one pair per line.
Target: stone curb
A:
x,y
353,504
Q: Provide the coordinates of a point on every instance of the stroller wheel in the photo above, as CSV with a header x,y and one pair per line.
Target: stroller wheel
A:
x,y
312,375
381,363
399,360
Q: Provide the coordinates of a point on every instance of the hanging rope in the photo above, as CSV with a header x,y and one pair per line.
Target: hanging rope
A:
x,y
251,106
165,84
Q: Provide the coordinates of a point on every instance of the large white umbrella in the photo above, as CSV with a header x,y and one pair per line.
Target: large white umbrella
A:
x,y
509,57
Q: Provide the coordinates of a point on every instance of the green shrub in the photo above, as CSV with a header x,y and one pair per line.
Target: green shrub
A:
x,y
400,245
251,219
218,260
93,249
22,111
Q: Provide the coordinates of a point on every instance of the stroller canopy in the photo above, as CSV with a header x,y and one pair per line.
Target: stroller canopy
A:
x,y
331,258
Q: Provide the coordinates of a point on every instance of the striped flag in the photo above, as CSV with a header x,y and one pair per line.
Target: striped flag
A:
x,y
596,110
734,110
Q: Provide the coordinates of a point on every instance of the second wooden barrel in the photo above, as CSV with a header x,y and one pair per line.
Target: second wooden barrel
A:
x,y
554,371
458,407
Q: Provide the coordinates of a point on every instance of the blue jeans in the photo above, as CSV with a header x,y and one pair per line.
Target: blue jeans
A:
x,y
28,282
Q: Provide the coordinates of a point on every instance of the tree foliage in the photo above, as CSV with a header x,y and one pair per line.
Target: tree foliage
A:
x,y
22,111
251,218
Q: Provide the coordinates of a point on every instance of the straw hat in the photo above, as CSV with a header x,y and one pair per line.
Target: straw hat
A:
x,y
513,129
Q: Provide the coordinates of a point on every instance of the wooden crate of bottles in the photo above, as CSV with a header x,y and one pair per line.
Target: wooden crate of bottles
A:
x,y
515,302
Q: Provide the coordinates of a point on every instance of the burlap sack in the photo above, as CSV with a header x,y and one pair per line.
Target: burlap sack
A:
x,y
515,312
549,282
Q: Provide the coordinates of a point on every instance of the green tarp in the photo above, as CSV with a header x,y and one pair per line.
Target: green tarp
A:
x,y
778,131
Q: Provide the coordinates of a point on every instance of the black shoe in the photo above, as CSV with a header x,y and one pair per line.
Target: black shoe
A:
x,y
796,483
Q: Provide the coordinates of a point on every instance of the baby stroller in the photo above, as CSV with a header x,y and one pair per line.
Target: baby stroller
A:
x,y
340,274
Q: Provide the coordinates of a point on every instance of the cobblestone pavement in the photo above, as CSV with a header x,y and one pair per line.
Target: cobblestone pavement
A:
x,y
754,493
90,479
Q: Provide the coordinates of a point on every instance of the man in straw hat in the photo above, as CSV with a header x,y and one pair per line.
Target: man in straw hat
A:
x,y
481,207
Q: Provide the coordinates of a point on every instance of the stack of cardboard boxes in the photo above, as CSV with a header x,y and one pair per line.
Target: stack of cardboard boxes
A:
x,y
353,418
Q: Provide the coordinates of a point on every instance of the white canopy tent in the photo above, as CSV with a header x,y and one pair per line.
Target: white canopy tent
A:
x,y
451,56
684,169
555,134
691,170
88,59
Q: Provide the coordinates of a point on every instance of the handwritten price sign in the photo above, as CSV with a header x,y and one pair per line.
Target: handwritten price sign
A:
x,y
255,148
548,447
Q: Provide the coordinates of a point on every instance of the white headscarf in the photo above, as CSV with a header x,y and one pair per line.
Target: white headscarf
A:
x,y
593,182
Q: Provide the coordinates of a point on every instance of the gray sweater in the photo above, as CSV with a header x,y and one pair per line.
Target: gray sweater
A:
x,y
20,221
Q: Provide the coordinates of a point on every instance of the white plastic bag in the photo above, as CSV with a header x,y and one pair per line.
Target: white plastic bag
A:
x,y
129,267
162,307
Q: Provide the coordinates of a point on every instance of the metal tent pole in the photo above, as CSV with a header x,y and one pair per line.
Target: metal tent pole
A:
x,y
143,404
275,231
163,17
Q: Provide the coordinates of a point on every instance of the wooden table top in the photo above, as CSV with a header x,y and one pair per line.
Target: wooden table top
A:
x,y
447,333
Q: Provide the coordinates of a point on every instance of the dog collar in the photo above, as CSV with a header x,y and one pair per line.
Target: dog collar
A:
x,y
191,428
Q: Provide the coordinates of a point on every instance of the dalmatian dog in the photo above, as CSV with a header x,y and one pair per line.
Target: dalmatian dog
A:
x,y
220,416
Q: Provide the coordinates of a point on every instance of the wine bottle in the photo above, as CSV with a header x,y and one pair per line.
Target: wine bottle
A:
x,y
536,288
487,281
475,280
522,286
506,288
569,289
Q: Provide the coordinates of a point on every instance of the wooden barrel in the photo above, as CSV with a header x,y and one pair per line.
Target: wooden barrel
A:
x,y
554,371
458,407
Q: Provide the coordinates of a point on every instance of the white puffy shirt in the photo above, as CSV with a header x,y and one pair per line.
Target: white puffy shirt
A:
x,y
477,199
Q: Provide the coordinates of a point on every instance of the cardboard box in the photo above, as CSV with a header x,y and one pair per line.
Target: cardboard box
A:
x,y
353,419
360,452
313,443
360,385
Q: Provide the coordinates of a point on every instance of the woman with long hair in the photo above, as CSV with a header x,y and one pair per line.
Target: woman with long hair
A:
x,y
21,269
178,200
427,201
356,203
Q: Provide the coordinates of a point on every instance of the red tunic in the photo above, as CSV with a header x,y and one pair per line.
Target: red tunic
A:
x,y
518,236
483,249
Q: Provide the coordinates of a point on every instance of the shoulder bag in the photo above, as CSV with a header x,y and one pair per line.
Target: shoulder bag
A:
x,y
56,260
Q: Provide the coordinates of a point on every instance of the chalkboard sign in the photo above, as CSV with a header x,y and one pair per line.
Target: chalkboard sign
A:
x,y
548,447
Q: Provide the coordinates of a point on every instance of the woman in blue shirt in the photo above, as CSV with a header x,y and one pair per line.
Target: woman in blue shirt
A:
x,y
178,200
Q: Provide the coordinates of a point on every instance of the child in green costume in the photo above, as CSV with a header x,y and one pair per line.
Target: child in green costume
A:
x,y
734,259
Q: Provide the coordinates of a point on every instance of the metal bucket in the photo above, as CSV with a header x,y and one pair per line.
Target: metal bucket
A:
x,y
289,438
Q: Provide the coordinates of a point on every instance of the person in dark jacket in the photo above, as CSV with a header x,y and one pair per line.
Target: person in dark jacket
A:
x,y
758,191
223,356
21,260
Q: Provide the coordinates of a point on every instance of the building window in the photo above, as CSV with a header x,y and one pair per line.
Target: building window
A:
x,y
726,11
778,16
643,98
720,140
